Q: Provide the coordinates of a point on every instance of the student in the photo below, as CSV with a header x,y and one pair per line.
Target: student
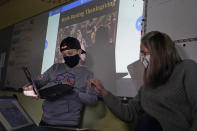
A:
x,y
65,111
167,100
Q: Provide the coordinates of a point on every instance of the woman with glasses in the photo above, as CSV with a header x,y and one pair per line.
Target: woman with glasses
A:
x,y
167,100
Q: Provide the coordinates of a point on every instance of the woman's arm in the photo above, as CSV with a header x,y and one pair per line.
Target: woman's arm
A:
x,y
126,112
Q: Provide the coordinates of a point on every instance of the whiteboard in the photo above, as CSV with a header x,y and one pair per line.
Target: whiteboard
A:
x,y
177,18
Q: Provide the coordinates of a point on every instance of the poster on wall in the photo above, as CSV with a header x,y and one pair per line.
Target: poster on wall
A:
x,y
25,51
21,48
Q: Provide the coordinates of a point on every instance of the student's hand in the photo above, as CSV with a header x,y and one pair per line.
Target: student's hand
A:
x,y
97,86
28,91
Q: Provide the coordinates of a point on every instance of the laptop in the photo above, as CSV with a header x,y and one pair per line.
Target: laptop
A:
x,y
12,115
49,93
30,80
14,118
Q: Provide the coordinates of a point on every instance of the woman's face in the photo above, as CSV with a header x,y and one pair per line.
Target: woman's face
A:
x,y
144,56
143,50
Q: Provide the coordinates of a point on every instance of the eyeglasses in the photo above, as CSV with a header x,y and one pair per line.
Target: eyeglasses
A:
x,y
145,52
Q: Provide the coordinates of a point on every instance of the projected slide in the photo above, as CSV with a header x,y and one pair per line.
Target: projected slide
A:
x,y
108,30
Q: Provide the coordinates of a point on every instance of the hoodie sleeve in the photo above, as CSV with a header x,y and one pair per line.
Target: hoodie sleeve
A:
x,y
86,94
42,79
126,112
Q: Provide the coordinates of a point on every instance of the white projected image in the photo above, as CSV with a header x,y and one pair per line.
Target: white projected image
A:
x,y
50,44
128,34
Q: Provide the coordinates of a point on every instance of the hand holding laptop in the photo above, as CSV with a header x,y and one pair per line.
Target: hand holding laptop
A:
x,y
51,92
28,91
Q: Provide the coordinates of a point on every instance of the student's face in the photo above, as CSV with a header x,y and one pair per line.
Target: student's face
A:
x,y
69,52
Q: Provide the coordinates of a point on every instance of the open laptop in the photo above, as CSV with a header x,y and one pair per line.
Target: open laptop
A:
x,y
51,92
14,118
12,115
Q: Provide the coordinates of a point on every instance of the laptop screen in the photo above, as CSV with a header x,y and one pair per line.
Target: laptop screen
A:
x,y
12,115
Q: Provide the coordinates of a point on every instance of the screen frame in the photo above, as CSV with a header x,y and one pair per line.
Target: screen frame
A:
x,y
13,101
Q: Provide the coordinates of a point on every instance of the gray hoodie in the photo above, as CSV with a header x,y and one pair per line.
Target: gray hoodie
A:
x,y
173,104
66,110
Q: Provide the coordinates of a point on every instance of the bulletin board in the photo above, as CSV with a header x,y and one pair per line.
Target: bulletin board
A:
x,y
26,50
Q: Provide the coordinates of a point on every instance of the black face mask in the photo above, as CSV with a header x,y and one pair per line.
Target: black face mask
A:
x,y
72,61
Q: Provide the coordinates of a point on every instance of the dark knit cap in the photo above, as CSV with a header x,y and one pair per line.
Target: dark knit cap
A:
x,y
71,43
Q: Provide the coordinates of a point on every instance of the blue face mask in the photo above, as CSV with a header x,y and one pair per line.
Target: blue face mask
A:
x,y
72,61
145,59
